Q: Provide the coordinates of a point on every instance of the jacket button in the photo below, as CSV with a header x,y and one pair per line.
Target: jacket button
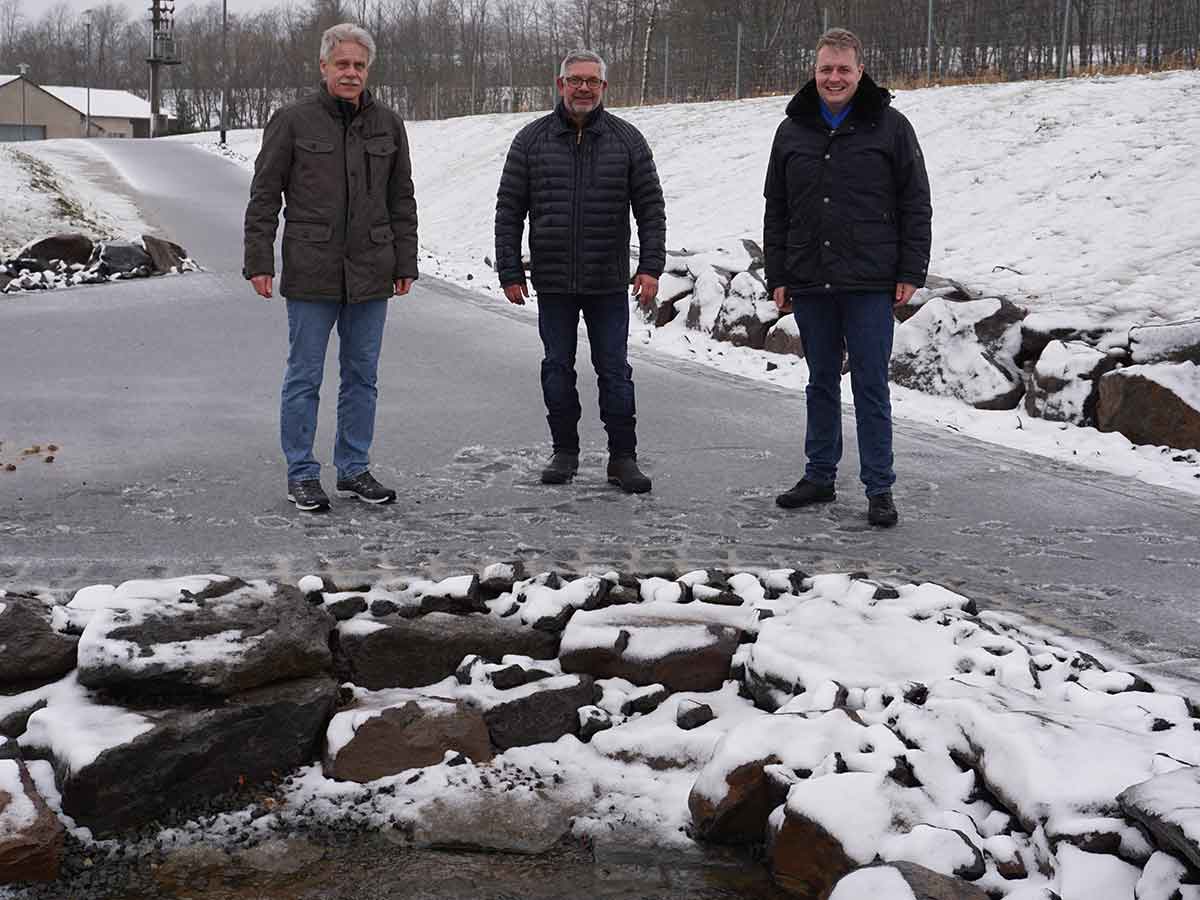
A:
x,y
826,199
827,243
828,155
828,286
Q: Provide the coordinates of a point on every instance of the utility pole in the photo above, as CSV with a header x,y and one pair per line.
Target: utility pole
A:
x,y
23,67
666,67
224,67
737,72
87,72
162,53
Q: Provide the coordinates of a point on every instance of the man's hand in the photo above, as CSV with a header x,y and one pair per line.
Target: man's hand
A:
x,y
262,285
516,293
403,286
782,303
645,288
904,292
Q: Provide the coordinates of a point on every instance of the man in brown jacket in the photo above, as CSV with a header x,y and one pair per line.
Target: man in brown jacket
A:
x,y
340,160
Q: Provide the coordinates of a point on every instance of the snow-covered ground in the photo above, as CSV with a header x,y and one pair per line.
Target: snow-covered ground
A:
x,y
1071,198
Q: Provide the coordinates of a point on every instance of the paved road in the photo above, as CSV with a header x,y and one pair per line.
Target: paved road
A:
x,y
162,396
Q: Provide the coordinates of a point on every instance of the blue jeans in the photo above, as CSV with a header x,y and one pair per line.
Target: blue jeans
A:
x,y
360,335
607,320
863,324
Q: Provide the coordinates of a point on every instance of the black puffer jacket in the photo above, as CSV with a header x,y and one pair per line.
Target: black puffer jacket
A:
x,y
846,210
577,188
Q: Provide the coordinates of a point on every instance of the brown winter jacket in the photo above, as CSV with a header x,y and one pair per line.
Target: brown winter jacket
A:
x,y
350,228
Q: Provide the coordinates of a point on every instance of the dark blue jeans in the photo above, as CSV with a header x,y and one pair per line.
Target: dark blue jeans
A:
x,y
863,324
607,320
360,336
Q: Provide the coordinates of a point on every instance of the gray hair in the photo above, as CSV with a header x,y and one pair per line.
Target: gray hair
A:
x,y
587,56
347,31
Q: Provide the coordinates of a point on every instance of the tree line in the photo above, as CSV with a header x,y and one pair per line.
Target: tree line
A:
x,y
440,58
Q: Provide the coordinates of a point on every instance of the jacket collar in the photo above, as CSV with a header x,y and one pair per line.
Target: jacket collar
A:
x,y
869,101
331,103
564,123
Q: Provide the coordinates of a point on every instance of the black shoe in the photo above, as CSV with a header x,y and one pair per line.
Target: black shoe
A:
x,y
562,467
624,471
307,495
365,487
881,510
804,493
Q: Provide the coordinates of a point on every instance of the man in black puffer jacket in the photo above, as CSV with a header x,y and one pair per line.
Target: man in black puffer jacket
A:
x,y
576,173
846,234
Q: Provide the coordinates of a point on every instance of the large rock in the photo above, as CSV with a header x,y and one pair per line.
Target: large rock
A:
x,y
30,650
903,881
70,247
31,837
366,742
964,350
1169,807
708,296
746,314
219,637
1152,404
122,258
1063,383
784,337
935,287
540,712
136,767
685,648
398,652
165,256
1166,342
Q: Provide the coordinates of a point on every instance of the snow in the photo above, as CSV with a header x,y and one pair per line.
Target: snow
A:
x,y
19,812
873,883
1087,876
310,584
76,730
104,104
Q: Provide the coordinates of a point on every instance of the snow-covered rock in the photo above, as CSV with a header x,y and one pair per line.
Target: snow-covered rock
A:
x,y
30,649
1166,342
903,881
1169,807
1064,383
784,337
746,313
708,296
31,837
1152,404
963,350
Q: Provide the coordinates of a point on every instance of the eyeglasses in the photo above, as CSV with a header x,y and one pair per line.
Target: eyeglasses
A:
x,y
576,82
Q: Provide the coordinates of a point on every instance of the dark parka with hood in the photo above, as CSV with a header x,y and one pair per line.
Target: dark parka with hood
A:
x,y
847,209
577,187
350,229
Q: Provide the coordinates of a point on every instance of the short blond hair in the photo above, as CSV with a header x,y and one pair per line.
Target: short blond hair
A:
x,y
842,39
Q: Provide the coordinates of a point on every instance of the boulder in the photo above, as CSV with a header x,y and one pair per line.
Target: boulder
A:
x,y
165,256
31,837
965,350
540,712
1152,404
30,650
499,578
1171,342
1063,383
746,313
139,766
220,637
1168,806
681,647
122,258
784,337
398,652
460,596
365,742
666,305
593,720
691,714
549,606
70,247
708,297
903,881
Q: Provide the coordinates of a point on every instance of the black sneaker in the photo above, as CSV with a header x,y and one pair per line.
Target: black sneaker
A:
x,y
307,495
562,467
624,471
881,510
805,493
365,487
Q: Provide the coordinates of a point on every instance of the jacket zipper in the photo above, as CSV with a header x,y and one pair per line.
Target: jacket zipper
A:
x,y
575,212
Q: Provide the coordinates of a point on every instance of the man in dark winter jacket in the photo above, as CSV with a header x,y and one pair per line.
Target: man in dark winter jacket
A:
x,y
846,234
349,244
576,174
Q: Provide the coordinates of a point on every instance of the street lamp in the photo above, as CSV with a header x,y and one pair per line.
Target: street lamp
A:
x,y
23,67
224,66
87,72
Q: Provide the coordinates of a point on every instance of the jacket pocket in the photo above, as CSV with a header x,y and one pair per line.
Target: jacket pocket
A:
x,y
877,251
310,232
313,146
382,234
379,152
